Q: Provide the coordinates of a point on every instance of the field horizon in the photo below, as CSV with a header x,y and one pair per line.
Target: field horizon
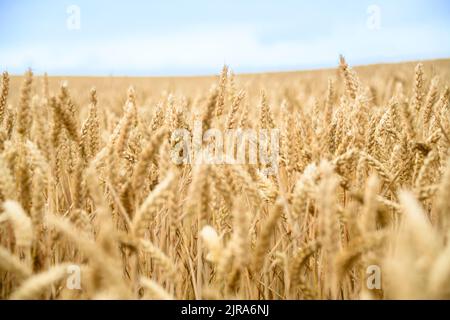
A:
x,y
156,84
272,72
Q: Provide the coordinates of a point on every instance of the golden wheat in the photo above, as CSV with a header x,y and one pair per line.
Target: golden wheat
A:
x,y
88,180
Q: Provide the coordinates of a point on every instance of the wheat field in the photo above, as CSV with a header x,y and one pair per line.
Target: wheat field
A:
x,y
93,206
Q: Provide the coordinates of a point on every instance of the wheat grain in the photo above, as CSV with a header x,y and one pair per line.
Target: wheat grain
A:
x,y
363,180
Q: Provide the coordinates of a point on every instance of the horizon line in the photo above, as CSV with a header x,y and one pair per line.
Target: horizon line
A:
x,y
206,75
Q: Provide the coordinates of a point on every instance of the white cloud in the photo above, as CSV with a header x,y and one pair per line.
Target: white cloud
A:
x,y
207,48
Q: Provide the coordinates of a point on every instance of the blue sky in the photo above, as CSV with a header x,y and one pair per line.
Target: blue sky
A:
x,y
197,37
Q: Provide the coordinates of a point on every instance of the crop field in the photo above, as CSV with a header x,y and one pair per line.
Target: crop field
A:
x,y
326,184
